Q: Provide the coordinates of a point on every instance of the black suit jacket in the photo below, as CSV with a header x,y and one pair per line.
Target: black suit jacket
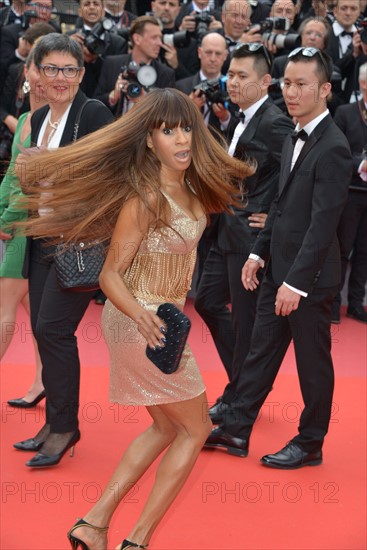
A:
x,y
300,233
262,142
112,68
9,42
352,121
95,116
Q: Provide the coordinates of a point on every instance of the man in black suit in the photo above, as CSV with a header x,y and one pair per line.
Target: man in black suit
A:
x,y
301,250
212,54
258,136
352,229
340,47
92,12
10,33
146,36
183,60
186,19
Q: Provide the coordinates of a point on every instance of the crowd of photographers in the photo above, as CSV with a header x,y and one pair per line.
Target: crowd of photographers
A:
x,y
126,52
132,47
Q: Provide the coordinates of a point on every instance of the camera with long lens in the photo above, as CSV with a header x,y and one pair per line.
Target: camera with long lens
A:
x,y
139,77
274,24
287,41
202,21
98,40
215,90
180,39
362,29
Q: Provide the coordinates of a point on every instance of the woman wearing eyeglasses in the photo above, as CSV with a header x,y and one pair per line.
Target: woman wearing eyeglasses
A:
x,y
56,313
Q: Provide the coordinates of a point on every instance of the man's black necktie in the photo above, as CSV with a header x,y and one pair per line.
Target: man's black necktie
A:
x,y
302,134
347,33
240,115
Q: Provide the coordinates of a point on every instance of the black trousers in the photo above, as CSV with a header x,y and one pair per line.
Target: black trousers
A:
x,y
352,231
309,327
55,316
231,328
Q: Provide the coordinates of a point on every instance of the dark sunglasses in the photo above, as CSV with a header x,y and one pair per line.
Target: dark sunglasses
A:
x,y
254,47
310,52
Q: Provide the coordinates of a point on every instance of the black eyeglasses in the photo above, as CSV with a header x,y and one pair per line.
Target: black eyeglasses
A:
x,y
254,47
51,71
310,52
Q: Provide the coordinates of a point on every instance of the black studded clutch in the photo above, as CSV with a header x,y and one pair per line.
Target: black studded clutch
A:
x,y
167,358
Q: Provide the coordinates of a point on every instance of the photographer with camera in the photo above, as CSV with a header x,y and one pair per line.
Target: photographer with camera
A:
x,y
41,10
179,49
344,47
97,39
199,18
276,32
205,86
114,89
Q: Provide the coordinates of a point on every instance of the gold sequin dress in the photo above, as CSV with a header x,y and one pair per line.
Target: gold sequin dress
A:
x,y
160,272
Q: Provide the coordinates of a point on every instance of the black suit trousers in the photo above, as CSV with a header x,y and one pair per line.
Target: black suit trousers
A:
x,y
309,327
231,328
55,316
352,231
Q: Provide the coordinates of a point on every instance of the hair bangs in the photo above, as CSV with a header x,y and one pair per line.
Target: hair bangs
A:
x,y
172,109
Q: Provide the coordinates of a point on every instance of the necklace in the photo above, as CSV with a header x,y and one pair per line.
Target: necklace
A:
x,y
54,127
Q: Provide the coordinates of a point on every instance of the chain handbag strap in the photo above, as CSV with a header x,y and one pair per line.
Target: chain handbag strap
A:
x,y
79,116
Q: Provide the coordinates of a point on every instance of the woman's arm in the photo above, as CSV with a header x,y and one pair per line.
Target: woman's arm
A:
x,y
131,227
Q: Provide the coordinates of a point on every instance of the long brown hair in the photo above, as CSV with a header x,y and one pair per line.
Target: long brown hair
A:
x,y
90,180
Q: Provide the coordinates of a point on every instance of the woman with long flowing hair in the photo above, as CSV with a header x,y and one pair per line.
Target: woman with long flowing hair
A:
x,y
147,184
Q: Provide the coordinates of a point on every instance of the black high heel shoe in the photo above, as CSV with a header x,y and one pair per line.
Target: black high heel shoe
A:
x,y
34,443
41,460
128,544
20,403
75,542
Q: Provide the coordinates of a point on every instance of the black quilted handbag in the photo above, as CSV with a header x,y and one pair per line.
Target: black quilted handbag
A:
x,y
78,265
167,358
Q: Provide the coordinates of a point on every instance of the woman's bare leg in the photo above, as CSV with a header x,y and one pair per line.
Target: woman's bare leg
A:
x,y
193,426
12,293
183,427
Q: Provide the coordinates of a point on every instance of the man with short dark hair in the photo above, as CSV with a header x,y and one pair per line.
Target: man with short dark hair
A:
x,y
300,247
146,37
259,135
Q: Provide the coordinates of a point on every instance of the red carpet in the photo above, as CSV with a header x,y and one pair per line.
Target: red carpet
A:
x,y
229,502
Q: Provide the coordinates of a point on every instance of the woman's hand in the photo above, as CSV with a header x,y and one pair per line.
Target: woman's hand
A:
x,y
152,328
5,236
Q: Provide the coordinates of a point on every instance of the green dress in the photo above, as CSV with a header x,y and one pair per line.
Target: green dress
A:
x,y
10,192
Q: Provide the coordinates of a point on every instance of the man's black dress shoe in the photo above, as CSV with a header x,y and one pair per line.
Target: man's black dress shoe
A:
x,y
41,460
335,314
21,404
28,445
234,445
217,411
357,313
292,457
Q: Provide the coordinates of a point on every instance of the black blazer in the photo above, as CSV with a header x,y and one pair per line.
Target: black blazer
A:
x,y
262,142
95,116
112,68
352,120
300,233
9,42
